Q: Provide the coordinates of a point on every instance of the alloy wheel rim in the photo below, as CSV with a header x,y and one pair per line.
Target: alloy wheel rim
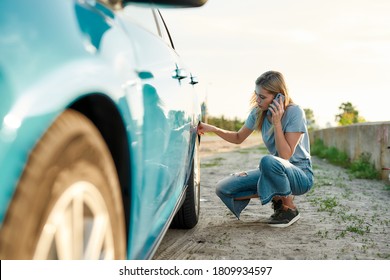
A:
x,y
78,226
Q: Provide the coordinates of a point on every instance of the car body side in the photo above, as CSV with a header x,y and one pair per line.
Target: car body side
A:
x,y
83,55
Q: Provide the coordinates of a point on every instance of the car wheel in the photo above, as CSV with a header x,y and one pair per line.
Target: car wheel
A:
x,y
68,202
188,214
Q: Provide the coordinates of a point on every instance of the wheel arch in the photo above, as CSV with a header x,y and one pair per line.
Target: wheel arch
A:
x,y
102,111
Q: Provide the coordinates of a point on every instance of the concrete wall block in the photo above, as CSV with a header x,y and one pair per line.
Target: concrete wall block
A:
x,y
371,138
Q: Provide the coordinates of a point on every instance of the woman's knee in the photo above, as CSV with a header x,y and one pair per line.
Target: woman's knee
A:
x,y
221,189
224,186
268,162
271,165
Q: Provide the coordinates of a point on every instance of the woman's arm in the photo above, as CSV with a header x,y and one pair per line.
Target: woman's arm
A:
x,y
286,142
229,136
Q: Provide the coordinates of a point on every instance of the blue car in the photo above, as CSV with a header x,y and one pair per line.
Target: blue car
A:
x,y
98,130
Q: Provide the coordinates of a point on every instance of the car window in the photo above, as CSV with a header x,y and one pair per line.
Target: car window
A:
x,y
143,17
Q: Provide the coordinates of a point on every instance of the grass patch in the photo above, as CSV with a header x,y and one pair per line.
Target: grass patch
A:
x,y
263,149
327,204
360,168
245,151
214,162
330,153
350,223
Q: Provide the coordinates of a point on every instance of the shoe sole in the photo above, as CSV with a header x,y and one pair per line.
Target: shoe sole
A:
x,y
296,218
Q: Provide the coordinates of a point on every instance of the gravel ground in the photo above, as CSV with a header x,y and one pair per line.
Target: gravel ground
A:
x,y
342,218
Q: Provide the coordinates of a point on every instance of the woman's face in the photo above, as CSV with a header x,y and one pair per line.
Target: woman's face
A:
x,y
263,98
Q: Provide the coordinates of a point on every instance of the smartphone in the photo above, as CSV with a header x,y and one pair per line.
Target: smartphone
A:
x,y
277,99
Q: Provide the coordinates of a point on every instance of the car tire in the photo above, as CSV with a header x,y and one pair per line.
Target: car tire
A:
x,y
68,201
188,215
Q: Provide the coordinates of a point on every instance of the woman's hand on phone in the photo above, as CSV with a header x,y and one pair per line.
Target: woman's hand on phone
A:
x,y
277,111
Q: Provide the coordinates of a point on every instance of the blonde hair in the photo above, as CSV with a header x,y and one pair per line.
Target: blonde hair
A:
x,y
273,82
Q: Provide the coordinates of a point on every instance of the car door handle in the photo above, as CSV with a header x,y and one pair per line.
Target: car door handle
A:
x,y
179,73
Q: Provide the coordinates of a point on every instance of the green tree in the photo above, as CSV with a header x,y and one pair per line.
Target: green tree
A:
x,y
227,124
348,115
311,122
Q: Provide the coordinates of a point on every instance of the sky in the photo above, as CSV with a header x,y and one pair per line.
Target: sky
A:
x,y
330,52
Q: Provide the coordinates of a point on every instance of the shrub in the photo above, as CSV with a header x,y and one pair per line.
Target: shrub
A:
x,y
360,168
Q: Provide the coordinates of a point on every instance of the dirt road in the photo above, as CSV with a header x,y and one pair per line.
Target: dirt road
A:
x,y
341,217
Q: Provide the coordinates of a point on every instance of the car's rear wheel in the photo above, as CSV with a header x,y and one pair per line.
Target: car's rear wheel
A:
x,y
68,202
188,215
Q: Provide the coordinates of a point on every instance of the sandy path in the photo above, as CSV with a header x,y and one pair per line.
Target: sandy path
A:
x,y
341,217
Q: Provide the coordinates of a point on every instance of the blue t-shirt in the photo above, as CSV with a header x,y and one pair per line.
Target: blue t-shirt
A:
x,y
293,120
